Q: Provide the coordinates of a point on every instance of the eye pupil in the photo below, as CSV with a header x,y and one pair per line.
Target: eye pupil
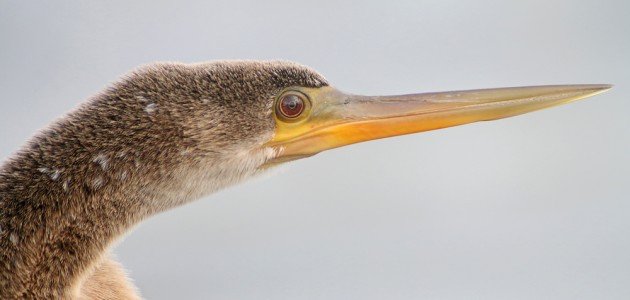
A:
x,y
291,106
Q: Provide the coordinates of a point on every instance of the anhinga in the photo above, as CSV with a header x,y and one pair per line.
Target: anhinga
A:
x,y
170,133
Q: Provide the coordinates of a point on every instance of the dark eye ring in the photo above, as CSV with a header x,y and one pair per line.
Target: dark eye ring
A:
x,y
291,105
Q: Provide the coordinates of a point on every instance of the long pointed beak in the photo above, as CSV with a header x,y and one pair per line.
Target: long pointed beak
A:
x,y
336,119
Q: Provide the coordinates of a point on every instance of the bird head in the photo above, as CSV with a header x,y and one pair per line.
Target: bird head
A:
x,y
250,115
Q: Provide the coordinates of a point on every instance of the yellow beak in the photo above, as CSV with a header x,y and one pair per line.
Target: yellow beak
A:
x,y
334,119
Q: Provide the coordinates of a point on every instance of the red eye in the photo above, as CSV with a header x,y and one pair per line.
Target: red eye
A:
x,y
291,106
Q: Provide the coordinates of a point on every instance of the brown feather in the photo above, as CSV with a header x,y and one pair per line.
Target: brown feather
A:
x,y
164,135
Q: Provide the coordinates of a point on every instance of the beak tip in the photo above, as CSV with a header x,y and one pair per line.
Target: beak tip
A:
x,y
589,90
602,87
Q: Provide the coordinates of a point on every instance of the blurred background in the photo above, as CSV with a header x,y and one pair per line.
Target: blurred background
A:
x,y
531,207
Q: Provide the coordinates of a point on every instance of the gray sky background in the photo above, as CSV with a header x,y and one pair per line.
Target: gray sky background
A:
x,y
531,207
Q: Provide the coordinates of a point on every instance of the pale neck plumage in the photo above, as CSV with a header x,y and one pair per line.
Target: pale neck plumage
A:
x,y
59,219
64,203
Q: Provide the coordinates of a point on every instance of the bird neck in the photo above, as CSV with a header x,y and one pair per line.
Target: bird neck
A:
x,y
56,224
69,194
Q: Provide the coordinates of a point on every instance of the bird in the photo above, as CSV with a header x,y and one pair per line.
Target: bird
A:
x,y
168,133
